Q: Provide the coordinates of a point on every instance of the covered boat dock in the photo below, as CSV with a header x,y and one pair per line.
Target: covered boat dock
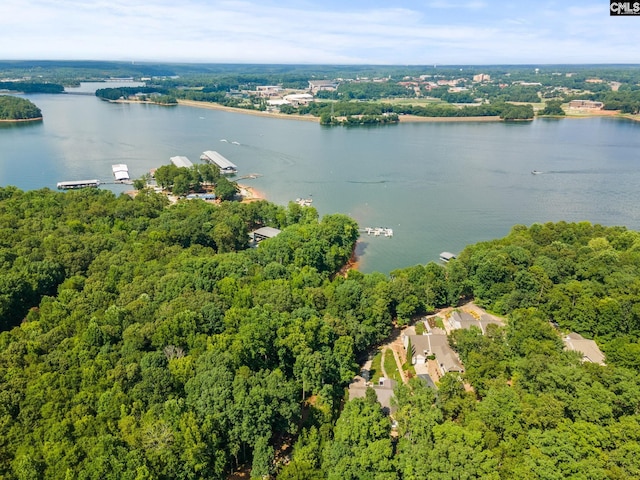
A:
x,y
226,167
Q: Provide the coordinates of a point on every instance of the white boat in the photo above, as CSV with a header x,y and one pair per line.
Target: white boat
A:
x,y
236,143
535,172
224,140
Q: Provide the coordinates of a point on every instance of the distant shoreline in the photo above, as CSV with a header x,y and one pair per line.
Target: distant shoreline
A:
x,y
309,118
401,118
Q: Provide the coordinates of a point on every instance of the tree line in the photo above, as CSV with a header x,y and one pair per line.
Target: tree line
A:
x,y
32,87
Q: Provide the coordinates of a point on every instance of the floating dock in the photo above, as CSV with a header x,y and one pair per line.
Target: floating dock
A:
x,y
378,231
304,202
120,172
226,167
181,162
78,184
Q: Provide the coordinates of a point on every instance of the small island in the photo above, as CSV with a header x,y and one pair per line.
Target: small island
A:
x,y
17,109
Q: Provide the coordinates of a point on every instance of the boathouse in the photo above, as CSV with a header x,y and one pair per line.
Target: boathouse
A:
x,y
181,162
446,256
78,184
120,172
226,167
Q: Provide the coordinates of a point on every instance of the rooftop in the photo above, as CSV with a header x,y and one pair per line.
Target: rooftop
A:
x,y
588,348
219,160
181,162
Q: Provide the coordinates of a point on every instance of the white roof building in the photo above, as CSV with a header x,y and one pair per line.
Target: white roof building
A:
x,y
181,162
120,172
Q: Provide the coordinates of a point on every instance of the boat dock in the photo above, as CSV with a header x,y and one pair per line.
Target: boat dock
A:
x,y
226,167
120,172
378,231
304,202
181,161
447,256
72,184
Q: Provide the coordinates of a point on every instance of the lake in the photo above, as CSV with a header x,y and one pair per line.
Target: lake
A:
x,y
440,186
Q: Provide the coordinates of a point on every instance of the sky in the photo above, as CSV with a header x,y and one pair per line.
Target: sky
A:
x,y
469,32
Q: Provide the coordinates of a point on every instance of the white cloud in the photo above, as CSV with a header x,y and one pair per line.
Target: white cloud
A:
x,y
251,31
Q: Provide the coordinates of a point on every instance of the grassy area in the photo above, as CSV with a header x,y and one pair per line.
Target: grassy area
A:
x,y
390,366
376,369
412,101
439,323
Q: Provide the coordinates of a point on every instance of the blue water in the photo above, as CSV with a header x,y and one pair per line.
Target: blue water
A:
x,y
440,186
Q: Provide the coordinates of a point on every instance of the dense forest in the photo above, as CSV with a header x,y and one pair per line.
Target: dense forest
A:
x,y
154,342
17,108
147,340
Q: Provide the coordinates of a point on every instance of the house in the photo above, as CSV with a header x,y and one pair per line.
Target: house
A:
x,y
434,343
383,388
588,348
420,348
445,356
263,233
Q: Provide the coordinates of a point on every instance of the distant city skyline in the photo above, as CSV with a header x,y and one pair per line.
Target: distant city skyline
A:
x,y
355,32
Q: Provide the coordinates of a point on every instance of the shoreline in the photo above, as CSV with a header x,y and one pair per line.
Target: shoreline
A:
x,y
250,194
21,120
401,118
418,119
246,111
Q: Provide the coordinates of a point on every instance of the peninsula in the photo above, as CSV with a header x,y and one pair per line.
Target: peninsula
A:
x,y
17,109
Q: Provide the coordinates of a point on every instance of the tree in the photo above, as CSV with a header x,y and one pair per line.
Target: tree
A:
x,y
552,107
226,190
